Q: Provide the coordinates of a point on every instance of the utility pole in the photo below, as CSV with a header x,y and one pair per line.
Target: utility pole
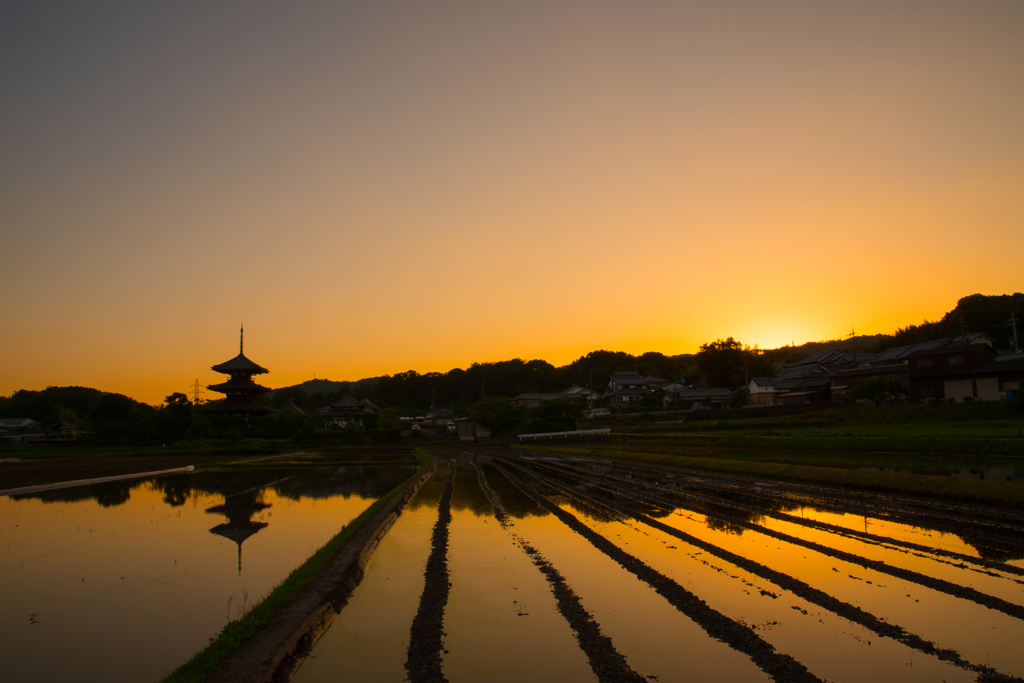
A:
x,y
1013,321
963,330
746,379
853,335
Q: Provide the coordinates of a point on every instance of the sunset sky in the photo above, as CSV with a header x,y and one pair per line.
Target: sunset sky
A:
x,y
373,187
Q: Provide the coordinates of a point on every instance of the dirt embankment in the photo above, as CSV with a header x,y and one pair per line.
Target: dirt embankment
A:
x,y
426,637
277,649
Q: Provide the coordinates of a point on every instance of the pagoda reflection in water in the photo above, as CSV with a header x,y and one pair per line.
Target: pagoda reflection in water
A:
x,y
239,508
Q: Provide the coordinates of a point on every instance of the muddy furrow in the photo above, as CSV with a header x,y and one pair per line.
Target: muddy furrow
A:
x,y
795,586
423,660
939,515
979,565
748,491
738,636
995,516
936,584
606,661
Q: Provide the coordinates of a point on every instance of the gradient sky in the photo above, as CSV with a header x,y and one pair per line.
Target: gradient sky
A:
x,y
373,187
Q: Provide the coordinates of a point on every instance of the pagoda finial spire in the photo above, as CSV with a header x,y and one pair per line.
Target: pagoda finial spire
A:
x,y
241,340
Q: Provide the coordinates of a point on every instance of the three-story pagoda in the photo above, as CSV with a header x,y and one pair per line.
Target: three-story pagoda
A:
x,y
241,392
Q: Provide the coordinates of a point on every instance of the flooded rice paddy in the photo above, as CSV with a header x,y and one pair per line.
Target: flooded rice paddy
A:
x,y
509,566
125,581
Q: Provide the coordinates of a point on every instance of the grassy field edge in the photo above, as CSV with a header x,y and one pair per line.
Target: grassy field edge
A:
x,y
236,632
1003,494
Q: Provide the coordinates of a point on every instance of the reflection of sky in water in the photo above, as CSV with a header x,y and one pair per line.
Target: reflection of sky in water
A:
x,y
980,634
126,579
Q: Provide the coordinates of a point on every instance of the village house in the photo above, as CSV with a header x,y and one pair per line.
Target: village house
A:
x,y
656,383
845,381
625,387
717,397
17,422
947,372
761,392
576,392
438,417
289,408
348,410
468,430
535,399
1001,379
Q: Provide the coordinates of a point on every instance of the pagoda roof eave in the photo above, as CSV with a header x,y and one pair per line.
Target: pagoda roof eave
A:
x,y
250,387
239,364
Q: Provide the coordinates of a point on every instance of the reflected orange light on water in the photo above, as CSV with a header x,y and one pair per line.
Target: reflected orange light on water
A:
x,y
141,582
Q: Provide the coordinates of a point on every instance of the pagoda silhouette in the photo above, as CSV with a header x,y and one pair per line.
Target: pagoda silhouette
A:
x,y
240,391
239,509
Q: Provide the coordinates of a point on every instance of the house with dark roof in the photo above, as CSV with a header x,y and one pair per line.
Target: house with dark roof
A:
x,y
625,387
532,400
1001,379
718,397
289,408
845,381
947,371
901,354
348,410
439,417
761,392
17,422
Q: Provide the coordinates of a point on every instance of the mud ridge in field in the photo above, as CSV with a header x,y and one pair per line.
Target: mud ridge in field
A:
x,y
690,483
941,585
423,660
996,515
795,586
966,562
607,663
940,515
740,637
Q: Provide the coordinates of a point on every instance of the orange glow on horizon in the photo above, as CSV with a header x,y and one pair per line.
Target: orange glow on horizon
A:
x,y
375,190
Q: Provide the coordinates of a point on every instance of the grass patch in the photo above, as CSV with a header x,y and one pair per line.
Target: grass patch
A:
x,y
904,444
983,428
976,420
238,631
1004,494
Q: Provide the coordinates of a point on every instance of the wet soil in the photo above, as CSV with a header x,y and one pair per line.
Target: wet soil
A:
x,y
606,662
941,585
780,579
426,637
738,636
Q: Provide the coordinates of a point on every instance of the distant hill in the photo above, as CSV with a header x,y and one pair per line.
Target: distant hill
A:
x,y
327,386
460,388
975,313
